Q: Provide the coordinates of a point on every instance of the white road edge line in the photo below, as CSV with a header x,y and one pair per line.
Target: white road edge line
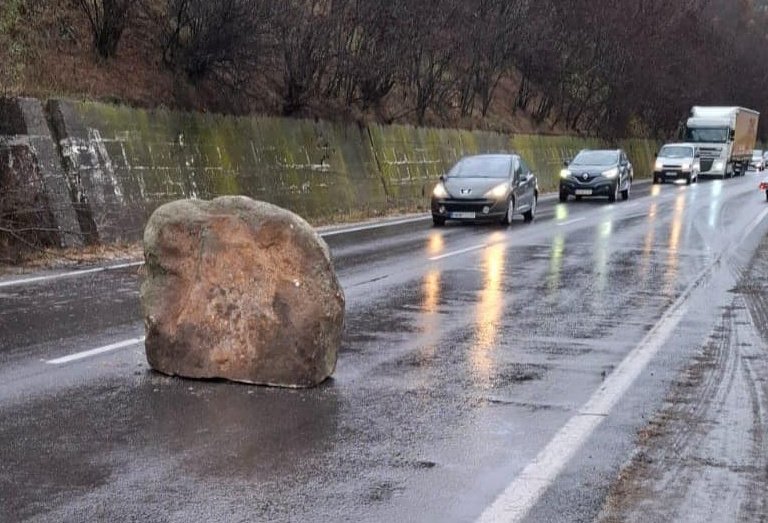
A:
x,y
381,225
71,274
95,352
520,496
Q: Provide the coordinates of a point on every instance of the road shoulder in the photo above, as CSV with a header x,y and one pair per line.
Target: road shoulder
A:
x,y
705,454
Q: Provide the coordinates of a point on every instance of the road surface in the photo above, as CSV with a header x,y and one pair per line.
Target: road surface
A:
x,y
604,362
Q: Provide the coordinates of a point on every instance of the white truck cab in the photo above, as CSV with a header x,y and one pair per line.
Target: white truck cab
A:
x,y
725,138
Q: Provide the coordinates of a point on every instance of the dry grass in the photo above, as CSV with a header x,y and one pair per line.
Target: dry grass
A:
x,y
75,257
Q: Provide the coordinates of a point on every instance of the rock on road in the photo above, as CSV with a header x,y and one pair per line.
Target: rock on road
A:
x,y
605,362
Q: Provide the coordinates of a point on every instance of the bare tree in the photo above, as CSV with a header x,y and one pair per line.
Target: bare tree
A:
x,y
107,20
225,38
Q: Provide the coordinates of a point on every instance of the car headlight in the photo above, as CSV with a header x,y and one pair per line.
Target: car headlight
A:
x,y
439,191
565,173
659,165
498,192
611,173
686,166
718,165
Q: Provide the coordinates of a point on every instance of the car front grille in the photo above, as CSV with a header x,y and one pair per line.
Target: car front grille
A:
x,y
706,163
467,205
579,177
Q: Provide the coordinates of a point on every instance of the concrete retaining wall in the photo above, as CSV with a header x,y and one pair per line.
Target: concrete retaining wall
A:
x,y
113,165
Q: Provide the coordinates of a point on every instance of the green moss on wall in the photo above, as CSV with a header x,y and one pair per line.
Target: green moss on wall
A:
x,y
318,169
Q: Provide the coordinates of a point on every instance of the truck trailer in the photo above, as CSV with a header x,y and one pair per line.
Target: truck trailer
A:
x,y
725,137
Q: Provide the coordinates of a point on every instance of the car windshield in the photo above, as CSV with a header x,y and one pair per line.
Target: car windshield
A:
x,y
596,158
707,135
676,152
482,167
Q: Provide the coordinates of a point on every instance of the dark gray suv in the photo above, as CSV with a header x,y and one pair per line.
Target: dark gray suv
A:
x,y
597,173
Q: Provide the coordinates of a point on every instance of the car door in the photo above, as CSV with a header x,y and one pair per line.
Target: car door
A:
x,y
525,185
625,170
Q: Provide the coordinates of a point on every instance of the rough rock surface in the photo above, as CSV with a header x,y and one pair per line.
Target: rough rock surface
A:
x,y
241,290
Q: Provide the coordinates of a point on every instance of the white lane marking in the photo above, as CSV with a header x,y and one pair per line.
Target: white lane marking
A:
x,y
524,492
462,251
95,352
520,496
569,222
753,225
374,226
71,274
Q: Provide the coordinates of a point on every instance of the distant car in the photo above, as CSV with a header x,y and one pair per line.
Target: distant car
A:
x,y
677,161
486,187
758,160
597,173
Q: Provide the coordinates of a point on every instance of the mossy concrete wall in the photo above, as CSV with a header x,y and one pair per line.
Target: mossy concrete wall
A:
x,y
121,163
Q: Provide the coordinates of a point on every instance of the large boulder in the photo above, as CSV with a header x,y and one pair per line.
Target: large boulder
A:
x,y
240,290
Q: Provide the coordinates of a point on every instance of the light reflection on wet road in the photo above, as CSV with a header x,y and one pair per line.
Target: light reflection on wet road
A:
x,y
465,349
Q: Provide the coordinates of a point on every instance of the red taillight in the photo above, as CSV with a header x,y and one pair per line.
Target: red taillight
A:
x,y
763,186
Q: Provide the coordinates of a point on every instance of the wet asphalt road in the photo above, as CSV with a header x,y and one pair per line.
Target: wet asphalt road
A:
x,y
468,351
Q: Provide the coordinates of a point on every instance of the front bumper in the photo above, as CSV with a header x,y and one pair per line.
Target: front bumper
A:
x,y
713,167
672,174
596,187
479,209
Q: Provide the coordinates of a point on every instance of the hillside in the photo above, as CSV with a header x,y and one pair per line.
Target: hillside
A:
x,y
598,67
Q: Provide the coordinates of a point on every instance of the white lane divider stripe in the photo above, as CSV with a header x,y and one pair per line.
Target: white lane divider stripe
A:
x,y
462,251
71,274
96,352
569,222
520,496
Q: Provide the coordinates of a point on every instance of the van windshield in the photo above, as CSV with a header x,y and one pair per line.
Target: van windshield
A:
x,y
707,135
676,151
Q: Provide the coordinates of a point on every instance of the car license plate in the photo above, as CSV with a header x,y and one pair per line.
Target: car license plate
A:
x,y
583,192
670,173
463,215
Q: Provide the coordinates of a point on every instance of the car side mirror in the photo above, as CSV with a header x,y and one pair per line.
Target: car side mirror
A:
x,y
566,163
442,177
732,134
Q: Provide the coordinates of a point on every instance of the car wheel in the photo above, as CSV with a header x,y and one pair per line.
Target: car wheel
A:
x,y
614,194
530,214
510,212
563,197
766,195
656,180
625,192
688,179
438,221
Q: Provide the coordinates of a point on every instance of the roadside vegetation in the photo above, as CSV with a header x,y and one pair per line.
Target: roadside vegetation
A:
x,y
607,67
